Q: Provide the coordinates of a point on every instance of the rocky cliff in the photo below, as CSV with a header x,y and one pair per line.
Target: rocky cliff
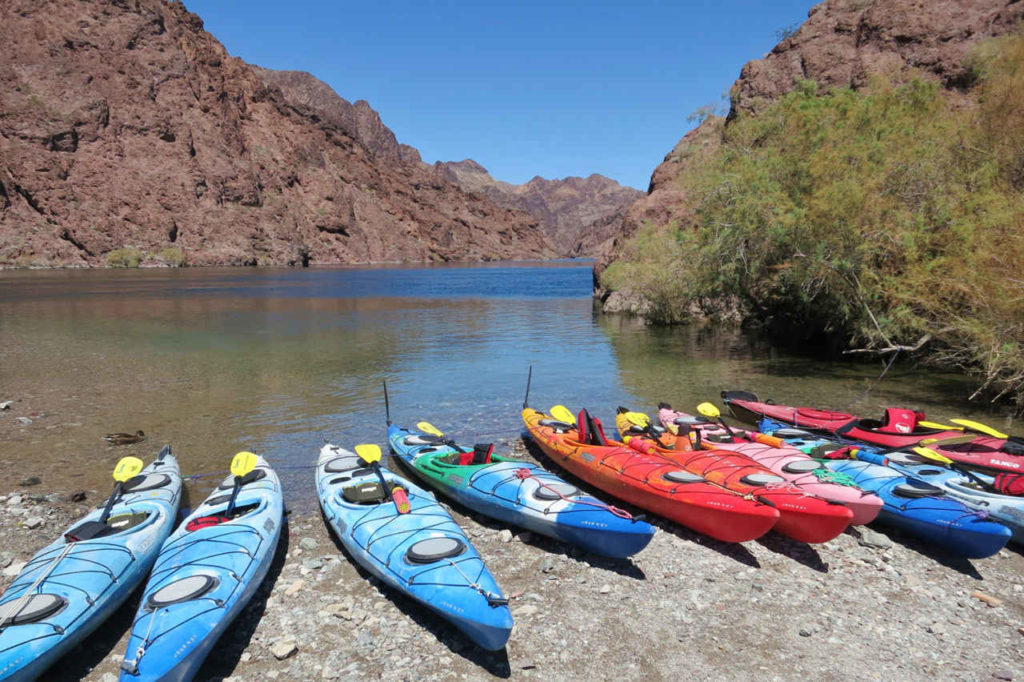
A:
x,y
127,132
843,42
576,214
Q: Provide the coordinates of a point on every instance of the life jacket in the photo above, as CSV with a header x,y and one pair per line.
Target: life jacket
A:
x,y
206,522
590,429
898,420
1009,484
481,454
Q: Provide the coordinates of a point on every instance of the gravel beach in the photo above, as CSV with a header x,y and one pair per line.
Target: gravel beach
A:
x,y
870,604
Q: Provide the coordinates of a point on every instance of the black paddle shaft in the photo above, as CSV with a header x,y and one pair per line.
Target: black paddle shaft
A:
x,y
234,494
110,502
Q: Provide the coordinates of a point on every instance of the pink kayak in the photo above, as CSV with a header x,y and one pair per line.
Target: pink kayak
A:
x,y
795,466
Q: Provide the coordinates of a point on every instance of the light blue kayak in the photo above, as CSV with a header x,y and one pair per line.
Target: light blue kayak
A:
x,y
206,573
70,587
423,553
521,493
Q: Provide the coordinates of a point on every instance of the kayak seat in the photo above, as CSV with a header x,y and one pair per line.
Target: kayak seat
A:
x,y
185,589
481,454
559,427
90,530
803,466
682,476
434,549
30,610
555,491
915,489
140,484
343,463
217,519
422,439
251,477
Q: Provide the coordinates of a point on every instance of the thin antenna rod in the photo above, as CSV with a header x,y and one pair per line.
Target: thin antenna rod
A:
x,y
387,407
526,398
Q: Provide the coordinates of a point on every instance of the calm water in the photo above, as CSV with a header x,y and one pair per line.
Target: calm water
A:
x,y
277,360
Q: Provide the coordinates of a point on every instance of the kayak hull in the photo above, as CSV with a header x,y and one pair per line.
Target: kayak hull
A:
x,y
641,480
69,572
458,587
170,641
523,494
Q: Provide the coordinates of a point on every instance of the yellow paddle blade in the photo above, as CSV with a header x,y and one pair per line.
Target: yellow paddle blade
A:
x,y
977,426
943,427
127,468
562,414
427,427
243,463
931,454
369,452
638,418
709,410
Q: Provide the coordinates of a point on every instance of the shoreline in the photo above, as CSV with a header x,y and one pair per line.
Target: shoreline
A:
x,y
870,602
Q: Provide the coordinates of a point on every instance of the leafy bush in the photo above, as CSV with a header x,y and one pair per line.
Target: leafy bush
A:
x,y
124,258
880,218
172,256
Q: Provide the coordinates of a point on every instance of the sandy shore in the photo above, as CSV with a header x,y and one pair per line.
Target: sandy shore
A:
x,y
869,604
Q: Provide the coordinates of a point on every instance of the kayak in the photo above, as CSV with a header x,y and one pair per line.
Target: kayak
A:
x,y
73,584
652,483
802,517
915,507
781,458
520,493
1006,509
206,573
899,428
922,510
422,554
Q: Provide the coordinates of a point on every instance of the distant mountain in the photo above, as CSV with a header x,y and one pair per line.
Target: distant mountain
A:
x,y
576,214
128,134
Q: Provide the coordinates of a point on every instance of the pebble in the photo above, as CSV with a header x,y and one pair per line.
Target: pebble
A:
x,y
245,657
605,589
14,569
525,610
6,405
24,420
33,522
505,535
872,538
77,496
547,564
14,500
294,588
987,598
1003,675
284,648
313,564
308,543
31,480
805,632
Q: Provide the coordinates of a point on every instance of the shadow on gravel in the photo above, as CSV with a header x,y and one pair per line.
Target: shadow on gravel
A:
x,y
959,564
494,662
623,567
80,661
797,551
234,642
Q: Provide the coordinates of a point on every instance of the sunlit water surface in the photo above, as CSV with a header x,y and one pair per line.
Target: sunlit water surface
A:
x,y
277,361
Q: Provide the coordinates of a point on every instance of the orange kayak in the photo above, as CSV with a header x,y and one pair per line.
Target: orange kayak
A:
x,y
652,483
802,516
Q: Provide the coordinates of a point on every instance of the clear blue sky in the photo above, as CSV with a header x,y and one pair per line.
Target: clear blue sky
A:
x,y
525,88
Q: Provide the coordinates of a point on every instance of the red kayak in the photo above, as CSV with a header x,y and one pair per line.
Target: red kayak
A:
x,y
802,516
651,482
898,428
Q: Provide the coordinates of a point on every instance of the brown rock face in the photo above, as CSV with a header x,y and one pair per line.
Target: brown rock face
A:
x,y
124,124
843,42
576,214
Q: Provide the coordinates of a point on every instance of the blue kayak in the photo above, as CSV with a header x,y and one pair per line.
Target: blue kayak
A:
x,y
206,573
966,488
918,508
520,493
77,581
423,553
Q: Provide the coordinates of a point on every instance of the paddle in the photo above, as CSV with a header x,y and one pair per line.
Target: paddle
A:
x,y
712,412
241,465
126,469
969,425
644,422
562,414
370,453
427,427
932,455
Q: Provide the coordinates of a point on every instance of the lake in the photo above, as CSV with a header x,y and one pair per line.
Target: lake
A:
x,y
277,361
